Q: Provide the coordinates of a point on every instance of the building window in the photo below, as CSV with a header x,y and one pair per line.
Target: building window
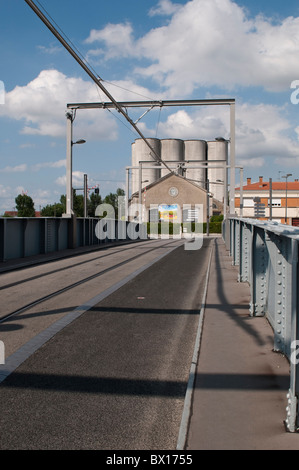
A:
x,y
275,202
248,202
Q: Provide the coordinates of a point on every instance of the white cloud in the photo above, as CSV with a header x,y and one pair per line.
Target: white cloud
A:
x,y
4,191
14,169
77,179
118,38
206,43
41,104
50,50
25,146
164,7
57,164
261,131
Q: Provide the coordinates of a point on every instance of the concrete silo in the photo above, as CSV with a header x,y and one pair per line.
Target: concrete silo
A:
x,y
172,153
217,150
196,150
141,152
134,172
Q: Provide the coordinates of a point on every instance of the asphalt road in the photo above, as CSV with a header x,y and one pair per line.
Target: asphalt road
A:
x,y
116,377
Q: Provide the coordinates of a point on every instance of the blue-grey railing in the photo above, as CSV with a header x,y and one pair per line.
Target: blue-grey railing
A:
x,y
23,237
266,254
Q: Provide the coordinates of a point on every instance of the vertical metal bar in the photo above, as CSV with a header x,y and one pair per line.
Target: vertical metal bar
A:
x,y
232,159
69,184
241,192
292,420
259,267
225,192
85,195
270,198
140,188
127,194
208,207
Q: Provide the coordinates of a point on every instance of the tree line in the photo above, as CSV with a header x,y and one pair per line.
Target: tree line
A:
x,y
25,204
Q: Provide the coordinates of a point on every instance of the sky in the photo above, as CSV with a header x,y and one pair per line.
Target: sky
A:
x,y
144,50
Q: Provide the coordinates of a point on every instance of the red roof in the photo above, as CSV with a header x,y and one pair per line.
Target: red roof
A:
x,y
276,186
15,213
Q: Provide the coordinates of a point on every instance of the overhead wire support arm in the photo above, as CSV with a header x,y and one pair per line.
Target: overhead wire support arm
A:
x,y
96,79
147,111
152,104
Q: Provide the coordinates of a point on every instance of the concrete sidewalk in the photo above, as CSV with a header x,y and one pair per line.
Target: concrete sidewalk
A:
x,y
239,400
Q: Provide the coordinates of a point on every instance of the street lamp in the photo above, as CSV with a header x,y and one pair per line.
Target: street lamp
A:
x,y
225,183
69,163
78,142
286,211
143,205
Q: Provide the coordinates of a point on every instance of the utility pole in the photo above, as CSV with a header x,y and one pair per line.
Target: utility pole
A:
x,y
85,196
208,207
270,198
69,166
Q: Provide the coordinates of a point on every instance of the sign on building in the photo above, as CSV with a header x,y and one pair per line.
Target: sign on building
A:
x,y
259,208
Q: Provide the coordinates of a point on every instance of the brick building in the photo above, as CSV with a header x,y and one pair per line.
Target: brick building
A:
x,y
285,200
175,198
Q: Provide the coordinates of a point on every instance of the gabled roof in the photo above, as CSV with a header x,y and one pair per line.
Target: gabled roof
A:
x,y
164,178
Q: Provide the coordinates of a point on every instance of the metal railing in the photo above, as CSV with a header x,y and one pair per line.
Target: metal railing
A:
x,y
22,237
266,254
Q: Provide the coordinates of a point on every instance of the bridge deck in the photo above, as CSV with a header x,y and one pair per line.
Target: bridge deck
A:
x,y
239,398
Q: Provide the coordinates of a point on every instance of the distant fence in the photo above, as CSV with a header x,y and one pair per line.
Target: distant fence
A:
x,y
266,254
22,237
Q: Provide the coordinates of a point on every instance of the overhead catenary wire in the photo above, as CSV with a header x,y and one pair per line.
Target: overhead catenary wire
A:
x,y
86,61
68,39
95,77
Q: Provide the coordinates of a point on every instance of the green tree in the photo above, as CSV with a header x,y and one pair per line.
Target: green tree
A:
x,y
53,210
78,204
112,199
25,206
92,203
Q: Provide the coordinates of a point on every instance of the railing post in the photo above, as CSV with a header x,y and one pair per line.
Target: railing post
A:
x,y
292,419
259,268
245,250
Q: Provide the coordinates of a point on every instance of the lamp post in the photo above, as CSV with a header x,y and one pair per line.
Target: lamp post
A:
x,y
286,209
226,166
143,205
79,142
208,206
69,164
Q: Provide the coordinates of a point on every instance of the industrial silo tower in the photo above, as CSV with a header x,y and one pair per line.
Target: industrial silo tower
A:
x,y
141,152
217,159
172,153
195,155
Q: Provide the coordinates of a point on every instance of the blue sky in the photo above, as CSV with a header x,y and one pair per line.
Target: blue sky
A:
x,y
247,50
